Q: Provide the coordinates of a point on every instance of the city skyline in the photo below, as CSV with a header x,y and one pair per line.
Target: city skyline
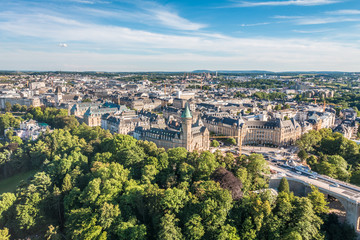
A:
x,y
90,35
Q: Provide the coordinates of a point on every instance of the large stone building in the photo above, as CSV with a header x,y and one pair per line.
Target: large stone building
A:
x,y
31,101
123,124
79,109
273,132
191,136
92,116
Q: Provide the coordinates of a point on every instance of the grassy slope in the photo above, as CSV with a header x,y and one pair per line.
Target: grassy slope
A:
x,y
10,184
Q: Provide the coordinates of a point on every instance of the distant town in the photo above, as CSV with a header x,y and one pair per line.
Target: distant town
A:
x,y
189,109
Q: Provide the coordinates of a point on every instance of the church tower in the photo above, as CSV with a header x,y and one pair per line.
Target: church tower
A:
x,y
186,118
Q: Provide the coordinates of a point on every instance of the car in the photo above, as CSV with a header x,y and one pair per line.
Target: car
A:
x,y
334,185
313,177
298,172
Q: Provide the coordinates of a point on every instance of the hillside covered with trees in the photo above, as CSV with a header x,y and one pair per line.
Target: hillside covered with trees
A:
x,y
91,184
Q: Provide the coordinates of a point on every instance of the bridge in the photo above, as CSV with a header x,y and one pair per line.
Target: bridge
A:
x,y
300,182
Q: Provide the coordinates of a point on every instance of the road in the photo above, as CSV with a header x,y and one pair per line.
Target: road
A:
x,y
321,181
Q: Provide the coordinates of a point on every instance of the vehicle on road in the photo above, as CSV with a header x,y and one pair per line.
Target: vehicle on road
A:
x,y
298,172
334,185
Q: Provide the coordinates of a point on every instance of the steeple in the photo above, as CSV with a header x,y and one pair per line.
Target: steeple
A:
x,y
186,113
186,128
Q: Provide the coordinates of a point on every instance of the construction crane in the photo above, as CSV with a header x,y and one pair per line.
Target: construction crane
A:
x,y
239,141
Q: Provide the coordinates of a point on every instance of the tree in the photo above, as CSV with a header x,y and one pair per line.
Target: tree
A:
x,y
168,228
355,177
277,107
215,143
206,165
4,234
228,232
293,235
53,233
231,141
7,107
304,219
302,154
16,107
284,186
24,108
320,205
194,229
108,214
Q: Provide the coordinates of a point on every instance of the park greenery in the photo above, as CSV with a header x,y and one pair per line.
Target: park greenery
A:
x,y
332,154
90,184
258,84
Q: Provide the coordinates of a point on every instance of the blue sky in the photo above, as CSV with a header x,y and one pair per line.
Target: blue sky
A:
x,y
138,35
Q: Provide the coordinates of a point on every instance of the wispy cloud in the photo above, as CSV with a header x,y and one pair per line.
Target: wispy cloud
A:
x,y
173,20
317,21
255,24
345,12
286,3
149,13
312,31
89,1
311,20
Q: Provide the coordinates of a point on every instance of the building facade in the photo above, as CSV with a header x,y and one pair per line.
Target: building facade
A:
x,y
191,136
273,132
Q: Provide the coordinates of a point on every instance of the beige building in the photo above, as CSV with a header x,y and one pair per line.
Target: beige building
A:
x,y
35,102
92,116
122,124
273,133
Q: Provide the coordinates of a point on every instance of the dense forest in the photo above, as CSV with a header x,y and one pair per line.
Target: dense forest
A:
x,y
91,184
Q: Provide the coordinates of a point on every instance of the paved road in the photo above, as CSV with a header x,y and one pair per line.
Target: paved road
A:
x,y
321,181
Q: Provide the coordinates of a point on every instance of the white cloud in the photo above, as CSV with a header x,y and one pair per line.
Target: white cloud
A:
x,y
173,20
312,31
255,24
148,13
316,21
116,48
286,3
89,1
113,48
311,20
345,12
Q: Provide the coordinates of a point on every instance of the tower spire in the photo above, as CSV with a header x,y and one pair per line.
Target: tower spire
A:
x,y
186,113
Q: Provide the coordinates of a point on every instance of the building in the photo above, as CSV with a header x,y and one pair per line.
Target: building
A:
x,y
29,130
31,101
190,136
274,132
123,124
348,128
79,109
92,116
